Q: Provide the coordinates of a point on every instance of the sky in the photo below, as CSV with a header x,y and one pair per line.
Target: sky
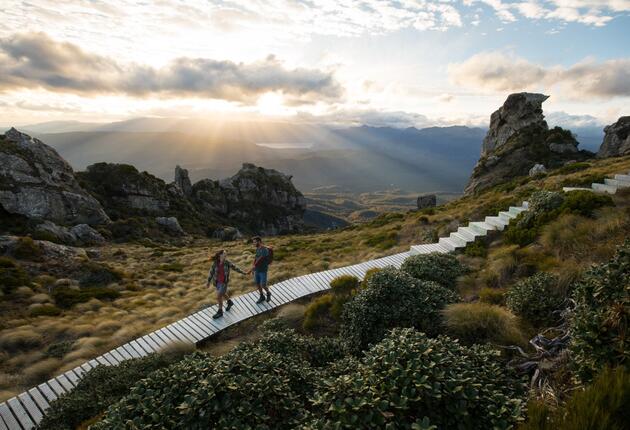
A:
x,y
376,62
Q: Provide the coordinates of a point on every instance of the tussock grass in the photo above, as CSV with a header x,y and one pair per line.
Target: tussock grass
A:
x,y
482,323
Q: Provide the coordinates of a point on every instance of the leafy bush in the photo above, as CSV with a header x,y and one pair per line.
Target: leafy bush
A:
x,y
492,296
392,299
599,322
476,249
66,297
368,275
585,202
99,389
536,299
482,323
265,384
45,310
441,268
12,275
600,406
329,306
93,274
411,381
344,285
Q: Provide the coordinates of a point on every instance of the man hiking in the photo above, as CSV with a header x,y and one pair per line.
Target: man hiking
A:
x,y
220,274
260,267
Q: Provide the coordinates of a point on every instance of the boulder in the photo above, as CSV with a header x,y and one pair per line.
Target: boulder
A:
x,y
182,181
227,234
171,225
519,111
427,201
46,249
57,233
518,139
86,235
616,139
37,183
538,169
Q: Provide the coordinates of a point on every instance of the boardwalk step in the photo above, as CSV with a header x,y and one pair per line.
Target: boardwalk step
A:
x,y
617,183
605,188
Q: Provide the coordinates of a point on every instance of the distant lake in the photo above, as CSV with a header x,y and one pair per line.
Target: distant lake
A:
x,y
286,145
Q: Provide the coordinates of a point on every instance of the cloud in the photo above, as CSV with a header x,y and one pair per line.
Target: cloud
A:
x,y
590,12
34,60
566,120
498,71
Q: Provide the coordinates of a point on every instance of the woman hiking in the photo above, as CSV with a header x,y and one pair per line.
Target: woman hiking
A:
x,y
220,274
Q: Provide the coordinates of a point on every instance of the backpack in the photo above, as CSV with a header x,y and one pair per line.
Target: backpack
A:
x,y
270,256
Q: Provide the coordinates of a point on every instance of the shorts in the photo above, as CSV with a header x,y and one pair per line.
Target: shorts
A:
x,y
221,288
260,278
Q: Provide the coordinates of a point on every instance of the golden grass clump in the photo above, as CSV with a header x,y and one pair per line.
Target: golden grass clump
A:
x,y
482,323
41,370
20,338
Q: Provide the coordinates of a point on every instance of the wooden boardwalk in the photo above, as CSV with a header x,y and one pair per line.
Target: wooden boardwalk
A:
x,y
24,411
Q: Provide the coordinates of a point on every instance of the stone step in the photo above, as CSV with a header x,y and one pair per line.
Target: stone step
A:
x,y
617,183
623,177
516,210
605,188
468,233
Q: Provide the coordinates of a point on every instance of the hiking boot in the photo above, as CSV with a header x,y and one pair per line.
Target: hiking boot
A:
x,y
219,314
269,296
260,299
230,303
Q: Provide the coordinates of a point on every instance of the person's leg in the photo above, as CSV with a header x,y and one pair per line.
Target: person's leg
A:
x,y
220,293
259,285
229,301
263,283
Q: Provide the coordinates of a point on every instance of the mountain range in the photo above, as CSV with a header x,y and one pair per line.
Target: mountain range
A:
x,y
358,159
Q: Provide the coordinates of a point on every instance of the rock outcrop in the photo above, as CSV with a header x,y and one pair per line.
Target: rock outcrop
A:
x,y
538,169
182,181
86,235
427,201
37,183
616,139
122,190
518,139
171,225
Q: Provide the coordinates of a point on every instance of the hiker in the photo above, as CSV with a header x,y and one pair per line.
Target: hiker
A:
x,y
220,274
262,259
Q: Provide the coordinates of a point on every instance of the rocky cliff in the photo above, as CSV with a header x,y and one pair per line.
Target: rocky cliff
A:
x,y
616,139
517,140
37,183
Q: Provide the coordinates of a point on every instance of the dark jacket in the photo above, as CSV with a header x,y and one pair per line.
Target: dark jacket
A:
x,y
227,266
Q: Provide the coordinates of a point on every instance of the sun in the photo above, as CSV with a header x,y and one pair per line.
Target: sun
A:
x,y
272,104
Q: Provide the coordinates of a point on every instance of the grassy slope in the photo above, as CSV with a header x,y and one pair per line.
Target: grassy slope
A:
x,y
165,283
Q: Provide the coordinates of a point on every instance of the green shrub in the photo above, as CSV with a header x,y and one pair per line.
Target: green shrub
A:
x,y
317,310
583,181
45,310
392,299
482,323
27,249
99,389
441,268
265,384
344,285
59,349
536,299
383,240
410,381
599,322
94,274
585,202
368,275
476,249
492,296
12,275
571,168
66,297
600,406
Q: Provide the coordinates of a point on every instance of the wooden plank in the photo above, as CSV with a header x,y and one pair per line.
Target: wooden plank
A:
x,y
72,377
131,350
177,333
123,353
192,329
48,392
163,337
298,289
144,350
3,426
183,334
207,319
155,340
324,281
31,407
202,323
56,387
284,293
103,361
65,383
8,417
250,300
111,358
150,349
241,305
187,332
20,413
39,399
